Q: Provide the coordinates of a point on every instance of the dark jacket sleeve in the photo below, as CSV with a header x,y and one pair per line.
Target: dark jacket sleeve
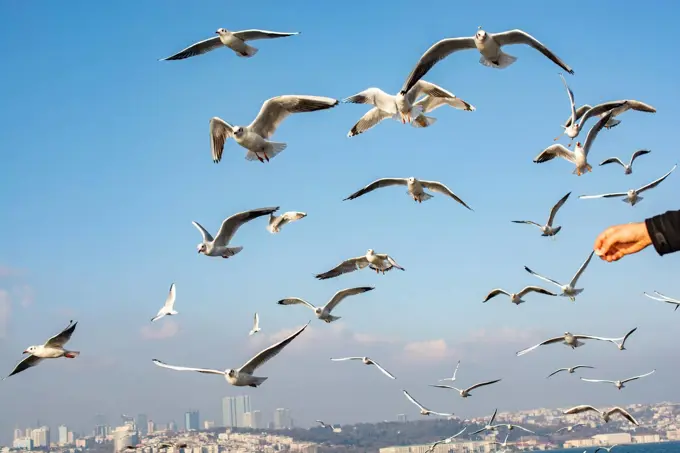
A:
x,y
664,231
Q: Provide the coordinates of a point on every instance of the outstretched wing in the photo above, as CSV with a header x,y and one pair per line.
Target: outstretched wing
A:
x,y
634,378
170,300
531,348
556,208
579,409
550,280
384,371
207,237
521,37
592,133
535,289
340,295
603,195
624,413
429,103
220,131
438,187
345,267
370,119
252,35
383,182
612,160
638,153
571,100
342,359
494,293
266,354
195,49
597,380
296,301
275,110
24,364
482,384
422,87
233,223
578,273
653,184
183,368
579,113
553,151
599,110
528,222
554,373
287,217
411,399
60,339
376,97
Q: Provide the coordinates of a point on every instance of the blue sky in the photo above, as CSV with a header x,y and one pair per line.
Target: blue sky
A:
x,y
106,161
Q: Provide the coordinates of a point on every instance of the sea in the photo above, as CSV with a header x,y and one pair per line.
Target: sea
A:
x,y
662,447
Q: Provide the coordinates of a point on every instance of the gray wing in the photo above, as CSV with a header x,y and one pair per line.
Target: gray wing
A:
x,y
429,103
553,151
252,35
413,400
521,37
383,370
233,223
579,409
625,337
198,48
552,374
275,110
599,110
421,87
579,113
170,300
556,208
370,119
345,267
374,96
528,222
550,280
494,293
638,153
295,301
531,348
571,101
438,187
25,363
592,133
60,339
184,368
383,182
578,273
267,354
624,413
535,289
653,184
640,106
482,384
207,237
434,54
637,377
220,131
287,217
340,295
612,160
604,195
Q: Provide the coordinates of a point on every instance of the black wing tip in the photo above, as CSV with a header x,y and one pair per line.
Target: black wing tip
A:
x,y
280,302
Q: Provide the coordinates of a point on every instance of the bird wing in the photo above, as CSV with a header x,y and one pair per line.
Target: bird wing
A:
x,y
612,160
442,386
422,87
624,413
579,113
591,337
60,339
340,295
529,222
522,428
347,358
287,217
411,399
579,409
640,106
553,151
370,119
550,280
296,301
345,267
598,380
556,208
252,35
604,195
256,321
592,133
521,37
571,101
183,368
482,384
233,223
583,366
449,439
653,184
429,103
394,263
529,349
383,182
535,289
436,186
220,131
666,297
493,417
578,273
494,293
599,110
638,153
384,371
266,354
276,109
207,237
170,300
455,371
376,97
25,363
561,429
627,335
434,54
554,373
195,49
637,377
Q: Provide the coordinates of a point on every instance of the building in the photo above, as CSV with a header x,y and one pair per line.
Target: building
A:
x,y
63,435
282,419
233,410
612,438
208,424
646,438
70,438
41,437
247,420
124,436
142,424
172,427
191,421
256,420
101,430
401,418
23,443
150,427
18,434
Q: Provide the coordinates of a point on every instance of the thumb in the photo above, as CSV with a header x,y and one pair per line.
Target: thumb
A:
x,y
606,240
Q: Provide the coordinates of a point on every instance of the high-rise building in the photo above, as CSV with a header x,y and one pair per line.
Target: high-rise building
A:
x,y
102,430
247,420
41,437
172,427
233,409
191,421
18,434
142,424
256,420
23,443
150,427
282,419
63,435
208,424
70,438
124,436
401,418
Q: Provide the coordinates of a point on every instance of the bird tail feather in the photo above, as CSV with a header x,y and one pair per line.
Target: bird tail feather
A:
x,y
72,354
423,121
504,60
231,251
248,52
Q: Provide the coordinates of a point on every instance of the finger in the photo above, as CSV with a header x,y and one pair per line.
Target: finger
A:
x,y
608,238
598,242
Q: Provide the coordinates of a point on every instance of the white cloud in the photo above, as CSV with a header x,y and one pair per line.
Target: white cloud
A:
x,y
168,328
427,350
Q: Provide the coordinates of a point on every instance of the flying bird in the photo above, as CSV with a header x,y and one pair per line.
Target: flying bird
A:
x,y
489,46
569,428
606,415
415,188
367,361
504,443
464,393
379,262
453,378
627,168
243,376
324,313
516,298
448,440
579,156
489,426
607,449
621,383
255,136
219,245
235,40
622,344
510,427
568,339
662,298
277,222
569,369
548,229
423,409
168,308
52,349
585,112
632,196
323,425
569,290
177,445
256,325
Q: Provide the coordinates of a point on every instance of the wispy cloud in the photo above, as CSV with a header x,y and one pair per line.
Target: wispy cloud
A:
x,y
428,350
6,271
24,294
5,311
167,329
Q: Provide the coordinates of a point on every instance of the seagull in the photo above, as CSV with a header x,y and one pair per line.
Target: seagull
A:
x,y
585,112
619,384
255,136
324,313
423,409
415,188
235,40
367,361
666,299
52,349
571,128
323,425
452,379
448,440
276,223
464,393
622,345
256,325
608,449
489,46
579,156
162,445
510,427
627,168
569,428
569,339
243,376
569,369
168,308
489,426
404,107
632,196
218,245
548,229
569,290
504,443
379,262
516,298
606,415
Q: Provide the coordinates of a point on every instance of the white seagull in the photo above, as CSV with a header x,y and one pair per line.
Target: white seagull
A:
x,y
632,196
448,440
379,262
585,112
168,309
243,376
569,339
510,427
52,349
569,290
235,40
453,378
607,449
622,340
504,443
489,46
570,369
548,229
404,107
277,222
662,298
464,393
579,156
256,325
627,168
516,298
423,409
255,136
489,426
415,188
621,383
606,415
569,428
367,361
324,313
219,245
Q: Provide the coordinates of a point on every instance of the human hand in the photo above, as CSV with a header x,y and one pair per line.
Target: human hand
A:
x,y
618,241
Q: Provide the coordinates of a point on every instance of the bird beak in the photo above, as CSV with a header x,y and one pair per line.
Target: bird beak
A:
x,y
198,251
25,352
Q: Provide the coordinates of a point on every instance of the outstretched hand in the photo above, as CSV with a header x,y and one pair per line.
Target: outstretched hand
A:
x,y
618,241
